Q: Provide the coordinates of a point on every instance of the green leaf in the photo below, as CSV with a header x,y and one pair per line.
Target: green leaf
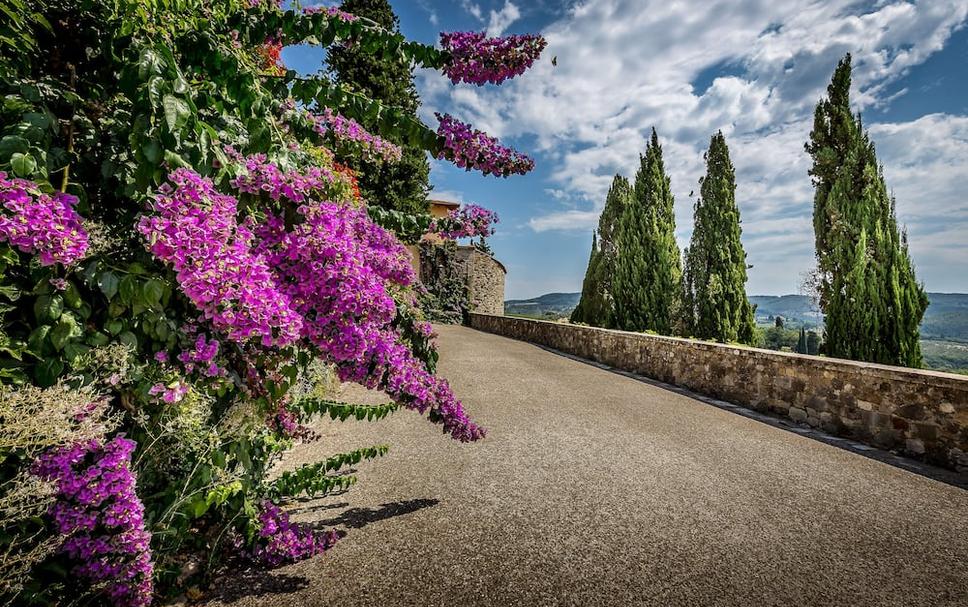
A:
x,y
129,339
73,351
48,308
72,297
153,291
37,339
155,89
128,290
108,283
23,165
47,372
176,112
114,327
175,161
10,145
65,329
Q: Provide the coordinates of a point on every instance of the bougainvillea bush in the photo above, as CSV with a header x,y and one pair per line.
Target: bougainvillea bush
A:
x,y
182,246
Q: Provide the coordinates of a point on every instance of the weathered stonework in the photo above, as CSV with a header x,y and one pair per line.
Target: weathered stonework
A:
x,y
923,414
485,280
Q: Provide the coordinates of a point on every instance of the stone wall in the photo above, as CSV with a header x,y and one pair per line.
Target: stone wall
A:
x,y
485,280
923,414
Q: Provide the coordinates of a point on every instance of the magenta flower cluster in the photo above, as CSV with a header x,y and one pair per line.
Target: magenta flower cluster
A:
x,y
41,224
201,357
195,229
469,221
477,59
281,541
324,275
332,11
169,394
348,131
469,149
337,268
98,512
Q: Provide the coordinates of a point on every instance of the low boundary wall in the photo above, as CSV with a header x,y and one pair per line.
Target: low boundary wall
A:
x,y
923,414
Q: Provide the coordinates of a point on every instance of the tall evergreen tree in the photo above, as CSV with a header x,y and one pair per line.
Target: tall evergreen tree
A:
x,y
869,294
596,306
592,299
648,272
403,185
715,286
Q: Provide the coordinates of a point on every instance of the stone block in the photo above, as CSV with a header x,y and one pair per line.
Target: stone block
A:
x,y
797,414
915,446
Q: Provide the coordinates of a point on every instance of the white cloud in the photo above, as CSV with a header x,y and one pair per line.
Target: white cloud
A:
x,y
627,65
473,9
502,19
564,220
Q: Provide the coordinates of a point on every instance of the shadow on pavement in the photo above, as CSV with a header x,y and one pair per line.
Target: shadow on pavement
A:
x,y
255,583
355,518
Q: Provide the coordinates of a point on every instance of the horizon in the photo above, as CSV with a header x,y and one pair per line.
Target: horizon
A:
x,y
578,292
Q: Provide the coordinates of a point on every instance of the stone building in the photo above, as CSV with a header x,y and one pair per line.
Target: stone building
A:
x,y
483,274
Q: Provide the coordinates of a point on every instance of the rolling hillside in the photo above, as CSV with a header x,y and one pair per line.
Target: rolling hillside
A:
x,y
946,318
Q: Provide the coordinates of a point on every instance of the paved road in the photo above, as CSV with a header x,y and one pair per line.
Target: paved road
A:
x,y
596,489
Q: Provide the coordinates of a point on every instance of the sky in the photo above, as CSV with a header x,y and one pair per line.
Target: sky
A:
x,y
754,69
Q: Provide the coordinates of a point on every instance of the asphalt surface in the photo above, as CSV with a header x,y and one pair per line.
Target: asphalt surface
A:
x,y
596,489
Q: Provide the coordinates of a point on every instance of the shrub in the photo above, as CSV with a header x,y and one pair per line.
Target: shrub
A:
x,y
179,235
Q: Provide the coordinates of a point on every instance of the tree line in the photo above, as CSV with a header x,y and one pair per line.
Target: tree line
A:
x,y
637,279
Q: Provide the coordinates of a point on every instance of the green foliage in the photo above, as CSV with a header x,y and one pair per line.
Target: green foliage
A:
x,y
408,227
647,283
716,306
313,480
445,298
308,407
593,304
124,91
869,294
387,77
597,304
32,421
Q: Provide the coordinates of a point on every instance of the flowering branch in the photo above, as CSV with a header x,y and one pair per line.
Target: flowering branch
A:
x,y
467,222
39,223
348,131
479,60
469,149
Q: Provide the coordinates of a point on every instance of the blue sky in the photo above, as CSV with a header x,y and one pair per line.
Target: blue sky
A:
x,y
752,68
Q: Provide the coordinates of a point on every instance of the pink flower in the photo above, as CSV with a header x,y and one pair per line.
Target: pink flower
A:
x,y
477,59
472,149
467,222
41,224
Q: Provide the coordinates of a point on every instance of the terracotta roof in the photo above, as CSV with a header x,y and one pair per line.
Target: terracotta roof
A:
x,y
444,203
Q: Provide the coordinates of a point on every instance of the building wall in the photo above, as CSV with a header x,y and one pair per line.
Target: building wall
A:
x,y
485,281
921,413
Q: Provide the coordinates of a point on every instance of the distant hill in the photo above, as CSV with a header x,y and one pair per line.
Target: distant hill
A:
x,y
560,304
945,319
797,308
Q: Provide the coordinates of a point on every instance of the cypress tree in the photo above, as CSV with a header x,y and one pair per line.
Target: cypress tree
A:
x,y
596,305
715,287
592,296
802,342
813,342
648,272
402,185
871,299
